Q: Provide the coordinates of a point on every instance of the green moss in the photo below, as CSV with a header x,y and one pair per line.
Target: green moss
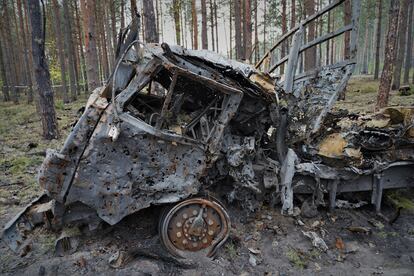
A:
x,y
399,200
231,250
296,259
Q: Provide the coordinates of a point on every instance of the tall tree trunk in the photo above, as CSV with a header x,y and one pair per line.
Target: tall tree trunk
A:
x,y
328,41
212,24
42,76
390,50
58,35
83,64
409,50
70,55
122,14
216,25
28,79
92,66
247,32
293,14
402,37
378,38
195,24
100,15
256,34
237,29
347,35
10,65
177,23
108,30
5,88
150,23
264,27
134,8
204,41
310,54
364,69
113,26
284,30
17,49
231,14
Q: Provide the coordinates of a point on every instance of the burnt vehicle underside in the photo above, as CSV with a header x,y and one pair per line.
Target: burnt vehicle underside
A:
x,y
175,124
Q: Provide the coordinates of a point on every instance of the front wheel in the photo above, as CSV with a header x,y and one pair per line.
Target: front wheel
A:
x,y
194,225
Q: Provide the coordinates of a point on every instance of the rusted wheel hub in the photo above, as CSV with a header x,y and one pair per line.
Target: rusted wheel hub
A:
x,y
194,225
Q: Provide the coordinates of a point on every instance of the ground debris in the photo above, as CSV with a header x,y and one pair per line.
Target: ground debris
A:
x,y
317,241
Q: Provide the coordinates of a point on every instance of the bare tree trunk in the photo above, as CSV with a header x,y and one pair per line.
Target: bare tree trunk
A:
x,y
402,37
408,52
293,14
88,16
176,11
58,34
247,32
256,34
378,39
28,79
69,50
264,27
347,35
364,70
108,30
195,24
310,54
150,23
83,64
42,76
216,25
231,27
10,65
134,8
113,26
390,49
100,15
204,41
122,14
237,29
5,88
284,30
212,24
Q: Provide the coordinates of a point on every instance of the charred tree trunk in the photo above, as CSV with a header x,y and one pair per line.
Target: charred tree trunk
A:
x,y
237,29
58,34
150,23
378,39
195,24
42,76
390,49
408,52
247,31
70,55
204,41
310,54
402,37
177,23
88,16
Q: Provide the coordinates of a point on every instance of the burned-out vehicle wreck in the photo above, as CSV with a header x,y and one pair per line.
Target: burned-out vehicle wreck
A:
x,y
195,131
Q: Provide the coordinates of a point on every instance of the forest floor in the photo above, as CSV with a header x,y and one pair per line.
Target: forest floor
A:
x,y
264,243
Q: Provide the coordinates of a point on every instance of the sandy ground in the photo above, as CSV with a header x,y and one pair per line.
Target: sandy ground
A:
x,y
261,243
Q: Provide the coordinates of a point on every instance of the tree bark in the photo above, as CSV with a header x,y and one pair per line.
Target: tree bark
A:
x,y
402,37
177,23
92,67
5,88
347,35
134,8
28,79
284,30
237,29
70,55
390,49
213,46
42,76
409,50
231,27
122,14
364,69
378,38
195,24
204,41
150,23
293,14
264,27
58,35
310,54
100,15
216,25
256,34
247,32
10,65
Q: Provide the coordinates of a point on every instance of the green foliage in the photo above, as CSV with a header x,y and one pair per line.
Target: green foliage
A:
x,y
296,259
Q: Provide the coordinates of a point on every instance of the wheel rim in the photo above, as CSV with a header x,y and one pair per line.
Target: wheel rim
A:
x,y
194,225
